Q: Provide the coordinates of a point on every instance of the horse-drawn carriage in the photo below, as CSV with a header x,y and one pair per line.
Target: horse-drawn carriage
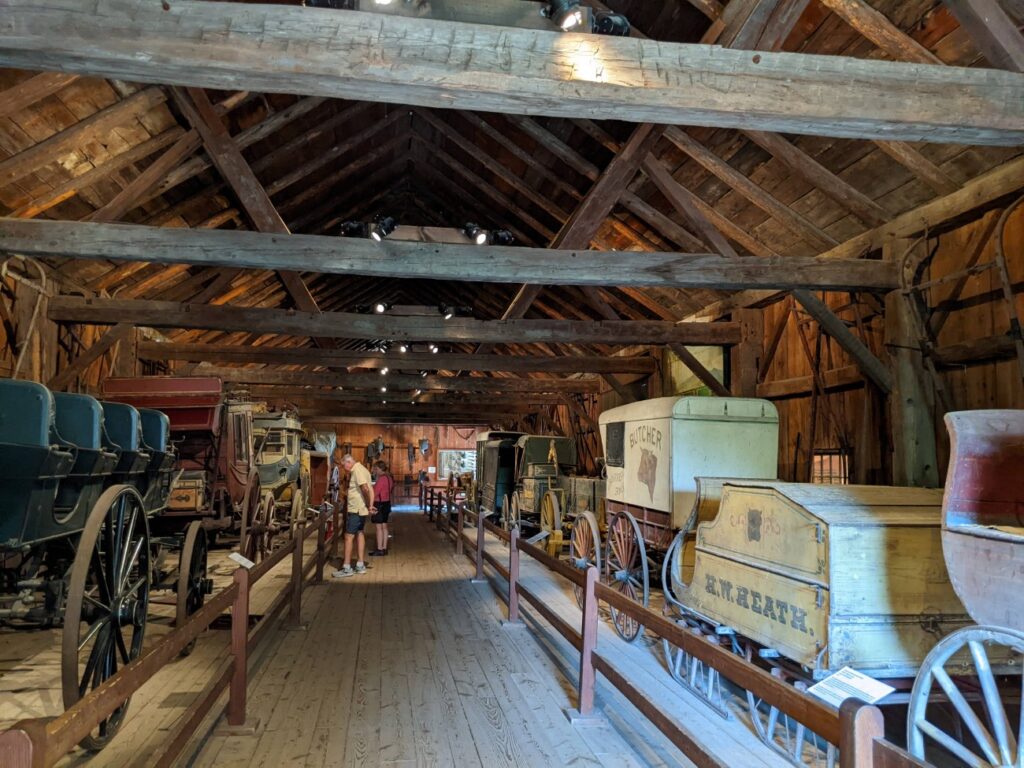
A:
x,y
495,469
537,497
278,438
85,486
976,671
219,485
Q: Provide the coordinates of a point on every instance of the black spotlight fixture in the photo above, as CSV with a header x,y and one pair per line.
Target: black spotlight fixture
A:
x,y
502,237
353,229
567,14
475,233
447,311
381,307
611,23
385,226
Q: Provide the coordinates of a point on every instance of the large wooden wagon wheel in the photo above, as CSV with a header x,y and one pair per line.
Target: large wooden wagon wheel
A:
x,y
989,735
626,571
298,510
259,528
550,512
193,585
585,547
510,512
108,600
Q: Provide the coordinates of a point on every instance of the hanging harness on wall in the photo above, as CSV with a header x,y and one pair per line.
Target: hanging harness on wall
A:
x,y
412,456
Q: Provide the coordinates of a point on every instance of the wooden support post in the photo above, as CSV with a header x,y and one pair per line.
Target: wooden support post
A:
x,y
745,362
915,460
335,531
295,606
239,649
860,724
480,530
513,576
321,548
23,745
458,533
588,677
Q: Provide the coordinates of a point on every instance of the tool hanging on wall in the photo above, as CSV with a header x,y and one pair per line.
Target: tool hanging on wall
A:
x,y
425,447
412,456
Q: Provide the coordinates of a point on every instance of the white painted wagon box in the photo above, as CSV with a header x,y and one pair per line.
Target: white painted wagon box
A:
x,y
655,449
829,576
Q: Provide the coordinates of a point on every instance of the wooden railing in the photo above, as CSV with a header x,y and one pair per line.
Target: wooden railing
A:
x,y
856,728
41,742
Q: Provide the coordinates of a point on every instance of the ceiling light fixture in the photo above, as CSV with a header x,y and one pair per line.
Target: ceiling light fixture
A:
x,y
385,226
502,237
380,307
353,229
384,371
383,389
475,233
447,311
567,14
403,348
611,23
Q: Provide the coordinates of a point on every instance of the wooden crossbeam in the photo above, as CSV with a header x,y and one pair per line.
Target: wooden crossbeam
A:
x,y
351,55
997,36
298,394
166,314
28,92
698,369
879,30
870,365
93,127
400,382
409,260
99,347
229,353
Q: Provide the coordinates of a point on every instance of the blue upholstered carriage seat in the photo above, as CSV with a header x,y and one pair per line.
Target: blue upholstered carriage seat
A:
x,y
123,431
33,460
26,414
79,420
156,429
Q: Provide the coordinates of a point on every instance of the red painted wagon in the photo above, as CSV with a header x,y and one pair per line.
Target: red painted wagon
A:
x,y
974,674
218,485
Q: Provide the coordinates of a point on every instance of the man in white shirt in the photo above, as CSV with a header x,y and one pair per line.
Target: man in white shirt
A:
x,y
360,507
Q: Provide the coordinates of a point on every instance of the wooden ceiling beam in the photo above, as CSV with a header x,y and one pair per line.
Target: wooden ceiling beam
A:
x,y
408,260
151,350
874,25
160,314
94,127
399,382
32,90
995,34
286,49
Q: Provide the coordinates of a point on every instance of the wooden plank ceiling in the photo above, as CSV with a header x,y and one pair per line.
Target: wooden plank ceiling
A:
x,y
81,148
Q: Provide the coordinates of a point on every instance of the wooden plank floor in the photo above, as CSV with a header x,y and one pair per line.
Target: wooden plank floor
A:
x,y
409,665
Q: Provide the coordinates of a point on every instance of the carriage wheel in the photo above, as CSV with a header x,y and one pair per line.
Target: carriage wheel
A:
x,y
584,547
258,533
625,570
108,599
298,511
551,512
193,586
993,740
250,507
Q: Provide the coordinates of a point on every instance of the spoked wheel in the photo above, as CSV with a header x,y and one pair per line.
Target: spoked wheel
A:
x,y
585,547
990,736
108,599
625,568
193,585
298,511
258,531
787,736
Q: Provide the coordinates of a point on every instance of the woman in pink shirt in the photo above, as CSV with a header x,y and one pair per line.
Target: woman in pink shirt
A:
x,y
382,488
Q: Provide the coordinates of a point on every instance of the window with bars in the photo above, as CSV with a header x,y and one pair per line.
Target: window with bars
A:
x,y
831,466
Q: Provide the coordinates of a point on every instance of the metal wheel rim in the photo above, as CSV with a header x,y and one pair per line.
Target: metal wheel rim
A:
x,y
99,588
584,548
626,554
1000,744
191,576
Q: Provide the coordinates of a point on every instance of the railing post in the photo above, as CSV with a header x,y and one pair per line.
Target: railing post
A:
x,y
513,576
335,530
859,725
295,608
458,532
321,548
23,745
479,546
588,676
239,649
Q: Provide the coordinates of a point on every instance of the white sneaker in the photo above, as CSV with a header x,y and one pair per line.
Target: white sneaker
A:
x,y
360,568
345,571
